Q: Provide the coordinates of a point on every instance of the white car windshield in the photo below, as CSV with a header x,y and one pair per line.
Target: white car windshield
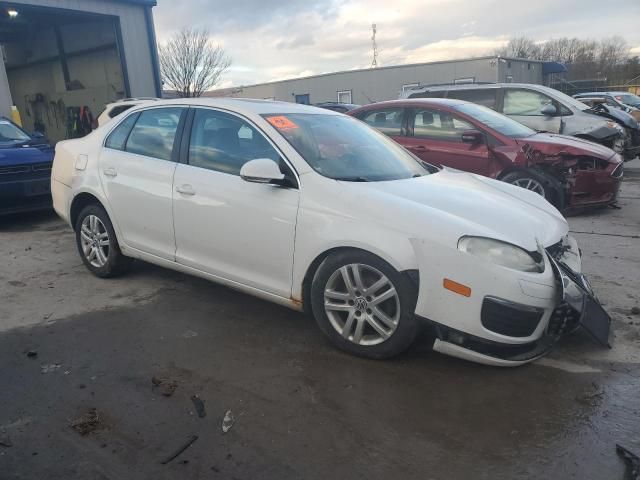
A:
x,y
10,134
495,120
343,148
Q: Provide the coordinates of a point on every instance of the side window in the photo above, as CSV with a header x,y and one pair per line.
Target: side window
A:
x,y
486,97
118,137
437,125
388,121
224,142
524,102
154,132
428,94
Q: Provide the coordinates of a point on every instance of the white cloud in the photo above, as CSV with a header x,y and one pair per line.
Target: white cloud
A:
x,y
276,39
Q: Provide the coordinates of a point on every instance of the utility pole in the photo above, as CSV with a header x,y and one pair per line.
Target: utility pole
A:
x,y
374,62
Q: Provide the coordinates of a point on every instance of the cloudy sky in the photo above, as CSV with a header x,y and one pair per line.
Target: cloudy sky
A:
x,y
278,39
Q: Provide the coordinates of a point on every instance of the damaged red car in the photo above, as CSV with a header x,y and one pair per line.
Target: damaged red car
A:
x,y
569,172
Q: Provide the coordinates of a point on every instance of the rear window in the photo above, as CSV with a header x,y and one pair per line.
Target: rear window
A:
x,y
388,121
427,94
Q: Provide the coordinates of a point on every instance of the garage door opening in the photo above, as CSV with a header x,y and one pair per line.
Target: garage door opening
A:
x,y
62,67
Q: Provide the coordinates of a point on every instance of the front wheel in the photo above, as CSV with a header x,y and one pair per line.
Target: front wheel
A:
x,y
363,305
536,183
97,243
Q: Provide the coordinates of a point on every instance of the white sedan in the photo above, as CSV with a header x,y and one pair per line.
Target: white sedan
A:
x,y
316,211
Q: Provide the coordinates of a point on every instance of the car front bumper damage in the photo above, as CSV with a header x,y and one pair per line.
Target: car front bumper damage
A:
x,y
506,323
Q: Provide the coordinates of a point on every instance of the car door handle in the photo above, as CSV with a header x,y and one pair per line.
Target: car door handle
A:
x,y
185,190
110,172
419,148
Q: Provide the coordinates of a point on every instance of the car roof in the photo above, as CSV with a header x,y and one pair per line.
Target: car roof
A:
x,y
446,102
244,105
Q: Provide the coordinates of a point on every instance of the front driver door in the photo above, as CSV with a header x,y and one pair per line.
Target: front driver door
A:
x,y
525,106
225,226
436,137
136,171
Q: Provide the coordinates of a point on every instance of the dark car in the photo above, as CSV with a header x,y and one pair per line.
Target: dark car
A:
x,y
569,172
25,169
337,106
625,98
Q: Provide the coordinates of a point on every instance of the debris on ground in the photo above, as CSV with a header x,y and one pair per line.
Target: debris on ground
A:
x,y
87,422
632,461
5,441
635,310
189,334
166,387
181,449
49,368
32,354
198,403
592,398
228,421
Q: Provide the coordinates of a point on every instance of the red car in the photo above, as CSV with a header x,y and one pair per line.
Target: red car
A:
x,y
569,172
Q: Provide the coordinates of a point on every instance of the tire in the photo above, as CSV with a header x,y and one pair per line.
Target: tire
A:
x,y
536,182
377,324
93,229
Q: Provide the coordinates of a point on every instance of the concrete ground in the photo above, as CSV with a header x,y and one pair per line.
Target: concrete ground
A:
x,y
301,408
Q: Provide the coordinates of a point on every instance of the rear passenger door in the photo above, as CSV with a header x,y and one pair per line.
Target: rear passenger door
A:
x,y
136,169
436,137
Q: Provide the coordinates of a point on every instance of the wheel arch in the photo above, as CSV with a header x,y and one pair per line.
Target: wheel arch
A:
x,y
80,201
317,261
543,175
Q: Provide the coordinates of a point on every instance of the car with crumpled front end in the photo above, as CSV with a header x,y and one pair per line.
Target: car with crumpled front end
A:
x,y
541,108
569,172
25,169
314,210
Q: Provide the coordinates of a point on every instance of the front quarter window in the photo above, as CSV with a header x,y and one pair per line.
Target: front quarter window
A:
x,y
344,148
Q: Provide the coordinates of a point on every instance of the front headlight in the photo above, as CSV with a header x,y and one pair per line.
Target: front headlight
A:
x,y
502,253
616,126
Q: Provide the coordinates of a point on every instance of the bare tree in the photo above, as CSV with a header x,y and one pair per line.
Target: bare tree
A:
x,y
520,47
190,64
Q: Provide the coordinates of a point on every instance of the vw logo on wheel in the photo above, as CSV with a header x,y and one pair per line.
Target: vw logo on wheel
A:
x,y
360,304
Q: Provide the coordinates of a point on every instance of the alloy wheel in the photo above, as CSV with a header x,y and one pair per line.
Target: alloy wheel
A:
x,y
362,304
530,184
95,241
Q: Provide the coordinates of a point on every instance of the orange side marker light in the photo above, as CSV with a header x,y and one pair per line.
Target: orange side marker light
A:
x,y
456,287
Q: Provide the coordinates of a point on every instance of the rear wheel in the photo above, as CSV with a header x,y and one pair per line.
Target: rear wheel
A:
x,y
97,243
363,305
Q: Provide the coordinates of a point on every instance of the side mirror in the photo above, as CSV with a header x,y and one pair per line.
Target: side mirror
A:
x,y
549,110
262,170
472,136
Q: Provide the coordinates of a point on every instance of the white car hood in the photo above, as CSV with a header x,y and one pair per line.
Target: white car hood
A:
x,y
476,205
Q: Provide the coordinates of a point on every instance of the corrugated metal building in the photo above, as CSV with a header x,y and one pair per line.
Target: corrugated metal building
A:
x,y
385,83
74,53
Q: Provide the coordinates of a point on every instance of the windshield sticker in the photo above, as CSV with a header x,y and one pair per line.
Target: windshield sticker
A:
x,y
282,123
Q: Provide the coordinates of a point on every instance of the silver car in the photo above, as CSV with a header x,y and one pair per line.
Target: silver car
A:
x,y
538,107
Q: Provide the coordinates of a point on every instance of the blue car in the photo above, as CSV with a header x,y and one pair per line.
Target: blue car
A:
x,y
25,169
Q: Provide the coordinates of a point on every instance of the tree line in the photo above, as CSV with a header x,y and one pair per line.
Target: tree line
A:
x,y
608,60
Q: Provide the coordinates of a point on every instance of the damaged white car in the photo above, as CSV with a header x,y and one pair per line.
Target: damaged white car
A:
x,y
316,211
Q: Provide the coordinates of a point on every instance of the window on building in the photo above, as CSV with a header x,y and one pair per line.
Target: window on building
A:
x,y
485,96
524,102
344,96
509,79
118,138
388,121
437,125
224,143
154,133
409,86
